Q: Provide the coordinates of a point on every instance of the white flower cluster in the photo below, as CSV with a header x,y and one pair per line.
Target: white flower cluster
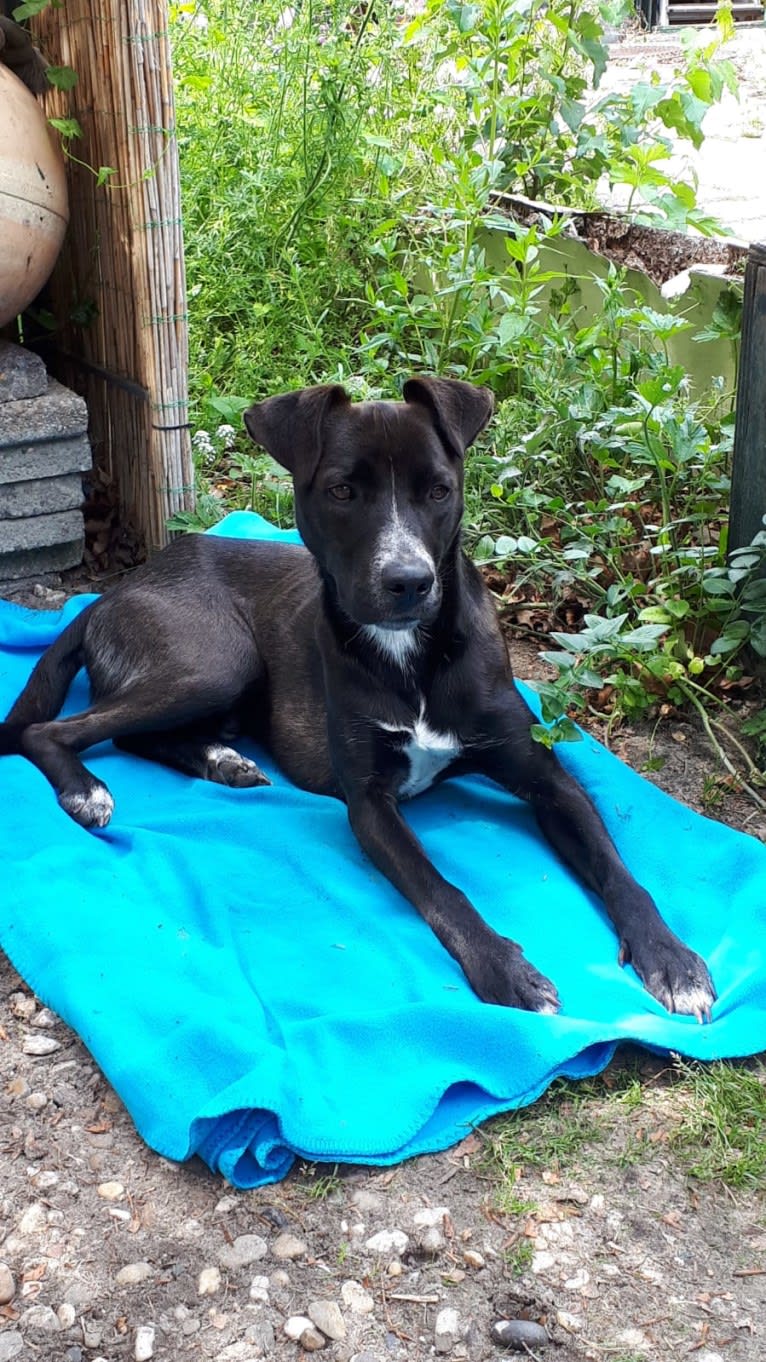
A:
x,y
202,442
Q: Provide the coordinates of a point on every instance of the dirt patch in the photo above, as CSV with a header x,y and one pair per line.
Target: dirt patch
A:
x,y
659,253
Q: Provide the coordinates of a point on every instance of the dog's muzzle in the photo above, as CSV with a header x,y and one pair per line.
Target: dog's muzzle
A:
x,y
407,587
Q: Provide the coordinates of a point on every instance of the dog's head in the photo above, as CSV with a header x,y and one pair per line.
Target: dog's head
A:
x,y
378,488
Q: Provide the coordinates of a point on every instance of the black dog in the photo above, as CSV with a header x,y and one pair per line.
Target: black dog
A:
x,y
370,662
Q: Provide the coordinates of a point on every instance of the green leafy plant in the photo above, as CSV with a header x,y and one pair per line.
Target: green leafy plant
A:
x,y
341,165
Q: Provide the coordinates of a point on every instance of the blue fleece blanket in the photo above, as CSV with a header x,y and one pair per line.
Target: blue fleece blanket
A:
x,y
254,990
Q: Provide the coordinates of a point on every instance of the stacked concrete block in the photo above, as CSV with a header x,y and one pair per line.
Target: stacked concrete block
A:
x,y
44,452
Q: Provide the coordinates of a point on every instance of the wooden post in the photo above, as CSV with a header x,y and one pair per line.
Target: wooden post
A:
x,y
748,470
119,287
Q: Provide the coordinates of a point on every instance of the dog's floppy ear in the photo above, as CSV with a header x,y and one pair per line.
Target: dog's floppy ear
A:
x,y
458,410
289,427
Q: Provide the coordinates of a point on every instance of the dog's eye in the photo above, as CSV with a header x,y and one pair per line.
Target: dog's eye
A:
x,y
439,491
341,492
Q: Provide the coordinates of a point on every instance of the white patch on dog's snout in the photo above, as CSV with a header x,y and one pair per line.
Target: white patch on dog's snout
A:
x,y
396,543
398,645
427,750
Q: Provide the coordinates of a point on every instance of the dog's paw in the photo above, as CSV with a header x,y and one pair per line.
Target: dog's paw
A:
x,y
675,975
504,976
226,766
91,808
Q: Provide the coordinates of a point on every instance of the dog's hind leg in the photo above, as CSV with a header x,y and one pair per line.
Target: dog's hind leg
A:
x,y
139,710
196,754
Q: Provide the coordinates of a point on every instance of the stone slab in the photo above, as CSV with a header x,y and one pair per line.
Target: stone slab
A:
x,y
40,496
36,563
22,373
40,531
45,460
58,415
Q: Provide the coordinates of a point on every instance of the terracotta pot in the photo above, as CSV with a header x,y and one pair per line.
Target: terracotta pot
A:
x,y
33,197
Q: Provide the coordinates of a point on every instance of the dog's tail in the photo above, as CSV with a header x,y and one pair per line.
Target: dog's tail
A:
x,y
45,691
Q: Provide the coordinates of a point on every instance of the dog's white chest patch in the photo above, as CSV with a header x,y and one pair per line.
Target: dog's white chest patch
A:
x,y
428,751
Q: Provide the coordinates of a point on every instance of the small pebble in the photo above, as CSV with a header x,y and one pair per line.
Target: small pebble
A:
x,y
7,1284
225,1205
34,1220
578,1281
40,1045
326,1316
45,1178
279,1279
40,1317
447,1330
387,1241
209,1281
312,1340
288,1246
295,1325
246,1249
52,599
520,1335
44,1018
11,1345
111,1191
23,1006
473,1259
144,1348
572,1323
133,1273
66,1315
432,1240
359,1301
259,1290
431,1216
276,1218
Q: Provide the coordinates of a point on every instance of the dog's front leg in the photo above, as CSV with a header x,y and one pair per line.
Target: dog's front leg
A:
x,y
672,973
494,965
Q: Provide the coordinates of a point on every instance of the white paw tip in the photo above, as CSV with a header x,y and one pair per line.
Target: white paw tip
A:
x,y
91,810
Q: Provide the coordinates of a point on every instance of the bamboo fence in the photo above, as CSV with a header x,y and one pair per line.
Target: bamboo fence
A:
x,y
119,289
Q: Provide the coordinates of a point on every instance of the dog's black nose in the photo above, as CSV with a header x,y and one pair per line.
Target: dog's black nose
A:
x,y
407,584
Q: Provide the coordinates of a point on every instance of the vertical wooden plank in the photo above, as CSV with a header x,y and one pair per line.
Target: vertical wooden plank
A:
x,y
119,290
748,472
